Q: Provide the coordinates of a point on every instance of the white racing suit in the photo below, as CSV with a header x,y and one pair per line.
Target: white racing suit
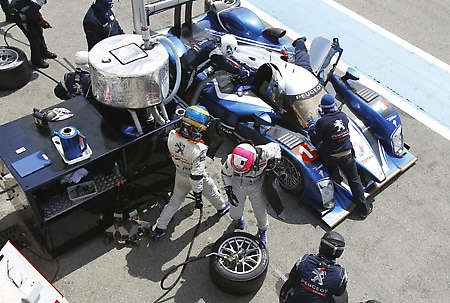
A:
x,y
189,158
250,184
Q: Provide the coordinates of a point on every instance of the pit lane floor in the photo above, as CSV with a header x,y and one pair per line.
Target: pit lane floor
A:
x,y
398,254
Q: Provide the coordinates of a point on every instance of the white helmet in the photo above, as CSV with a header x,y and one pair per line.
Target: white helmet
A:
x,y
243,158
228,44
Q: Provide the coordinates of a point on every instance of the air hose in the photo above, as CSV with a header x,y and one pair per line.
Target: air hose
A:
x,y
6,32
186,262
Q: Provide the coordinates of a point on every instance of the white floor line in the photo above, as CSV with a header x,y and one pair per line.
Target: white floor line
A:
x,y
278,272
398,101
430,58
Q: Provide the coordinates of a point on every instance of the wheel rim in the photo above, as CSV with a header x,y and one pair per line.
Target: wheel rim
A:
x,y
244,255
8,58
288,174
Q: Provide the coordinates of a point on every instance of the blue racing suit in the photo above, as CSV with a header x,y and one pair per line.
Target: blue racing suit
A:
x,y
301,55
100,23
315,279
207,53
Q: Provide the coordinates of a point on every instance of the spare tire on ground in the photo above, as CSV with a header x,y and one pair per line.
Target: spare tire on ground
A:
x,y
244,268
15,71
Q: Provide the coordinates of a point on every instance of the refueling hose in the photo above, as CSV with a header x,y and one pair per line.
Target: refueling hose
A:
x,y
177,66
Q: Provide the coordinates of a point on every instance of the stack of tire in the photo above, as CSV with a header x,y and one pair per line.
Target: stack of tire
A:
x,y
15,71
244,269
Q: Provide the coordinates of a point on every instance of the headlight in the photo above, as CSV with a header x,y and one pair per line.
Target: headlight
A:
x,y
397,142
327,191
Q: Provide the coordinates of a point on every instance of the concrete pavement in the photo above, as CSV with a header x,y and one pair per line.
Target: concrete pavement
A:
x,y
398,254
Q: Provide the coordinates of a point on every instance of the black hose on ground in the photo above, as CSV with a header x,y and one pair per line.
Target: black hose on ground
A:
x,y
6,32
187,261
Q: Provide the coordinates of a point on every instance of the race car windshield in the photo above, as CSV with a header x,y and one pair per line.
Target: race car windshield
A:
x,y
306,105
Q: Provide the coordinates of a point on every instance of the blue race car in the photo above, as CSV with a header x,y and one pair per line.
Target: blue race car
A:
x,y
246,112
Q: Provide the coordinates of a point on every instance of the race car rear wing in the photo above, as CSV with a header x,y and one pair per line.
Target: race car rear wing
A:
x,y
321,53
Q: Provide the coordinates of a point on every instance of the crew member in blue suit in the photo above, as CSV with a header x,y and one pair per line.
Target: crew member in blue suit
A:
x,y
100,23
332,137
301,54
318,278
208,53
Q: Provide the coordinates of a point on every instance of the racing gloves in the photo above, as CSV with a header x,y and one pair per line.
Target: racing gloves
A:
x,y
311,124
198,200
231,196
44,23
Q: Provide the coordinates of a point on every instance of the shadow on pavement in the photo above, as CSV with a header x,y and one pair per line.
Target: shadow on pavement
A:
x,y
4,93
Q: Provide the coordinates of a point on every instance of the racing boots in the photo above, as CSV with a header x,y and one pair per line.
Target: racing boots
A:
x,y
295,41
224,210
262,235
158,233
49,55
365,210
239,224
40,64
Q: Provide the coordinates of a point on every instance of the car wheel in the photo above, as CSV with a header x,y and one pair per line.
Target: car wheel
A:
x,y
244,269
15,71
228,3
289,175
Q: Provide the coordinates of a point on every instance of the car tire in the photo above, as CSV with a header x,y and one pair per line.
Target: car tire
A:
x,y
229,4
15,71
239,278
290,175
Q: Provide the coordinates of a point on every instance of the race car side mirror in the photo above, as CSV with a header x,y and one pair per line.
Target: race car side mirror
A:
x,y
351,74
273,34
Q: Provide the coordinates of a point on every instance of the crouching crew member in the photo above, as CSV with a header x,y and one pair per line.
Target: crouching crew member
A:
x,y
243,176
26,14
188,153
318,278
100,23
219,55
331,134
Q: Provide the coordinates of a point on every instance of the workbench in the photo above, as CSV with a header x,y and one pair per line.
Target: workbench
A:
x,y
62,221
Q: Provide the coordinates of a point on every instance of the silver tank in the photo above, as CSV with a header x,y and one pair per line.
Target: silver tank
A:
x,y
126,76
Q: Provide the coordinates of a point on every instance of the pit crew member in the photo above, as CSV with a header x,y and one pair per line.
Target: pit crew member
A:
x,y
318,278
188,153
331,135
100,23
26,14
219,55
243,176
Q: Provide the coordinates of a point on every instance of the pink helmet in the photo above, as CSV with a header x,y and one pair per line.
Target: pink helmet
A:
x,y
243,157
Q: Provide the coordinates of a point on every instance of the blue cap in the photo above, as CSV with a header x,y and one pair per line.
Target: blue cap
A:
x,y
327,103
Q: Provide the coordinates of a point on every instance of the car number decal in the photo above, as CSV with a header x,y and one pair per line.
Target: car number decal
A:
x,y
306,151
